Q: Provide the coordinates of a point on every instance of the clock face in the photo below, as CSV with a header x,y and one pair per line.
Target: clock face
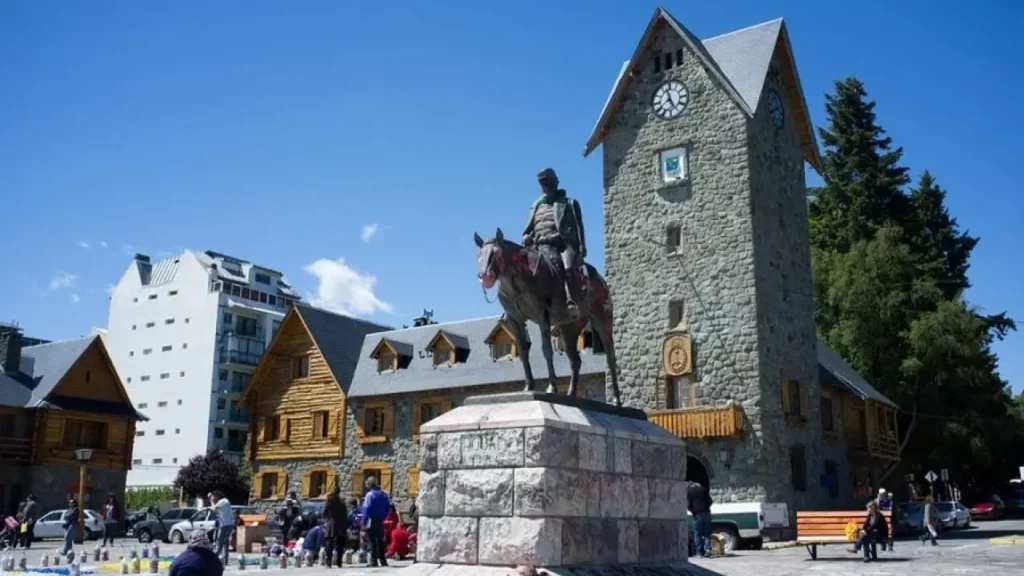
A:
x,y
670,100
775,109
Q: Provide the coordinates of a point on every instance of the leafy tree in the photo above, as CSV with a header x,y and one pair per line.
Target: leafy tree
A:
x,y
937,238
212,471
143,498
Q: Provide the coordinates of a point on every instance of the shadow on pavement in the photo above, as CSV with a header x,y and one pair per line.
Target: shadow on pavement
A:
x,y
975,532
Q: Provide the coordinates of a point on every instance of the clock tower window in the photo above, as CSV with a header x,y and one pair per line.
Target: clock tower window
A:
x,y
675,314
672,238
664,61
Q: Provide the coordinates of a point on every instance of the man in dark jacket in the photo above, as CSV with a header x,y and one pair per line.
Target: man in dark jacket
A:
x,y
375,511
335,526
198,559
698,500
29,518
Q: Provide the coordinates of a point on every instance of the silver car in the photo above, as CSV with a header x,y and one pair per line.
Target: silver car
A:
x,y
49,525
953,515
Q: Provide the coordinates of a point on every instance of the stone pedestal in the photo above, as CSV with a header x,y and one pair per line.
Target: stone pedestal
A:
x,y
570,485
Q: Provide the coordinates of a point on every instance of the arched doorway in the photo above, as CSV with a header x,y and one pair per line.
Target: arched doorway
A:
x,y
697,472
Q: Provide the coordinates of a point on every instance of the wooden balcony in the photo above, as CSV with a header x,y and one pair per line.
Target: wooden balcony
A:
x,y
702,422
884,446
15,449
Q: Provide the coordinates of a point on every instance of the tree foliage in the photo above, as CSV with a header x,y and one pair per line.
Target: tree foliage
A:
x,y
890,269
205,473
143,498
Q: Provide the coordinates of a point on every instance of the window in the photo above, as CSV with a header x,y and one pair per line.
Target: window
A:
x,y
159,433
174,460
223,374
135,300
186,320
172,293
236,290
798,467
794,399
181,374
501,350
272,299
429,411
158,460
271,428
300,367
161,404
140,433
263,297
177,430
245,293
321,424
218,433
143,405
226,318
179,402
167,348
386,361
673,238
317,484
268,484
84,434
262,278
676,314
129,379
152,296
373,422
246,326
169,321
144,378
147,351
87,375
165,375
134,326
150,324
131,353
221,403
827,423
443,356
137,461
275,327
184,345
672,164
677,392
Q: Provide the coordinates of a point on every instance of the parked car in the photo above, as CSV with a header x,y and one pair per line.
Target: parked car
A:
x,y
953,515
132,518
159,527
911,518
204,519
991,509
49,525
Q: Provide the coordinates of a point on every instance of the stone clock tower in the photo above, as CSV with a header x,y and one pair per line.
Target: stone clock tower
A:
x,y
707,251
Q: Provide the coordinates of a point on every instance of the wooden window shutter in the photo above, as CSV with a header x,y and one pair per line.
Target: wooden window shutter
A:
x,y
342,426
332,481
385,480
357,482
305,484
389,420
360,420
804,402
282,484
261,428
257,485
332,424
416,418
414,482
285,429
786,408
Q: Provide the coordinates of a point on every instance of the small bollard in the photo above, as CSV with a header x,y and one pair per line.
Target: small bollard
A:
x,y
310,559
83,557
96,554
23,563
241,561
136,566
145,553
44,561
124,565
298,559
156,550
323,557
105,554
76,569
282,560
56,559
154,565
348,557
264,562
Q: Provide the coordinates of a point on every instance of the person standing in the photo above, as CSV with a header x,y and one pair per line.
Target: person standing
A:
x,y
375,509
698,500
69,522
198,559
225,524
289,511
111,515
29,519
335,526
931,522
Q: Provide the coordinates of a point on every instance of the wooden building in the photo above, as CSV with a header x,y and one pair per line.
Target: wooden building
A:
x,y
54,399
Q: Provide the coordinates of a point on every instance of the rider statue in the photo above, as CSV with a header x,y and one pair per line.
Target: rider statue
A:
x,y
555,228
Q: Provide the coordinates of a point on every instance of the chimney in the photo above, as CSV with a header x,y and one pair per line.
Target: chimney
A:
x,y
142,258
424,320
10,348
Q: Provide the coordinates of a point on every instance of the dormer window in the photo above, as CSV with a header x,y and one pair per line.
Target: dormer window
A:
x,y
448,349
502,343
391,355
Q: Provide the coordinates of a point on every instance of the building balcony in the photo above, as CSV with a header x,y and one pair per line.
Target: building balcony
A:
x,y
239,358
702,422
884,446
15,449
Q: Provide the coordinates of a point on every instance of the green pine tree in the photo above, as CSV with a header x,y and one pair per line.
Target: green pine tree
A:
x,y
937,237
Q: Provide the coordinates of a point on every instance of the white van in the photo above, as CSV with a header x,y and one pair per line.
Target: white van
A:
x,y
735,522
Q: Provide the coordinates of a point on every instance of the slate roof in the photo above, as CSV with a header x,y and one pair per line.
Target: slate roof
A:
x,y
39,371
339,339
739,60
478,369
834,370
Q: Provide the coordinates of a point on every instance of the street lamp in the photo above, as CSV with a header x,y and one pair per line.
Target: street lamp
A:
x,y
84,455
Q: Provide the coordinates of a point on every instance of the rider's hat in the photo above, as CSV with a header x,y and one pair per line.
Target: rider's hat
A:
x,y
547,174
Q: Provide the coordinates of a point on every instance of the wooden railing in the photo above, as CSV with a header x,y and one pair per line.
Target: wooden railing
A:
x,y
15,449
884,446
701,422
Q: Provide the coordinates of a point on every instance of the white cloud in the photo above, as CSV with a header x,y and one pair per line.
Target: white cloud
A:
x,y
369,231
75,298
62,280
343,289
103,244
109,289
85,245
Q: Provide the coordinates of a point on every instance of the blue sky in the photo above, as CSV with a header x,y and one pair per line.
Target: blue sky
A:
x,y
285,133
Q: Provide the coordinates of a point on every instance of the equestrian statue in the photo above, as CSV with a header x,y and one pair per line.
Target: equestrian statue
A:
x,y
545,280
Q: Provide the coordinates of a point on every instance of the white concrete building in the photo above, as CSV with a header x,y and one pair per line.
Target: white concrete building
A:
x,y
186,334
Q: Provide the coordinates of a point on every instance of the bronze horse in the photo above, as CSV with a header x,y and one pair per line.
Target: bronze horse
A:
x,y
529,288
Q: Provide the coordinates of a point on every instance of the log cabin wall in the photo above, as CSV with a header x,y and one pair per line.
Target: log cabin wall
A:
x,y
60,432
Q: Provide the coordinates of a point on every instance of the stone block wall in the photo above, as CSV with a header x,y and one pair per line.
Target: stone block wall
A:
x,y
51,485
551,496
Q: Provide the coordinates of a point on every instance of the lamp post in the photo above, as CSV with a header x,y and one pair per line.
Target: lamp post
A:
x,y
84,455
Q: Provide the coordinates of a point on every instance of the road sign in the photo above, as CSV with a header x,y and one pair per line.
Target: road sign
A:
x,y
945,474
930,476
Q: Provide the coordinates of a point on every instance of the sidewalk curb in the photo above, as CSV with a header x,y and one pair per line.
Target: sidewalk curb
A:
x,y
1015,540
779,545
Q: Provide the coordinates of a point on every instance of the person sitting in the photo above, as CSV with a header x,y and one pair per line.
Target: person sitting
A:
x,y
391,521
198,559
313,540
398,547
874,531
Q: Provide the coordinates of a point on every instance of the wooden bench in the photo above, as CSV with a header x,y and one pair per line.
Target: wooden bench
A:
x,y
815,529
